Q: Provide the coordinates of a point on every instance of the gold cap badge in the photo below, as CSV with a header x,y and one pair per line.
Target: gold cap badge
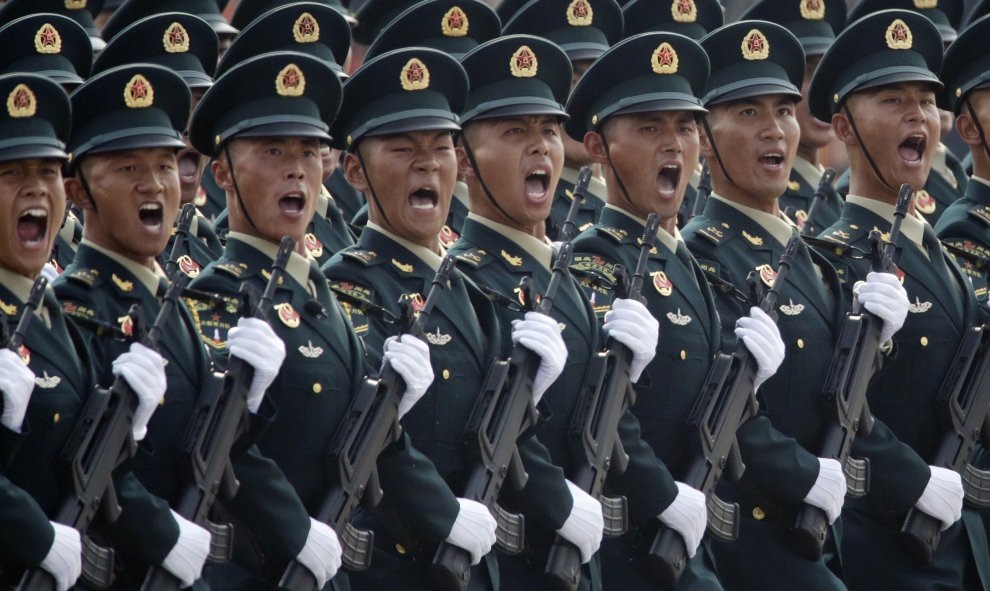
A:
x,y
898,35
414,75
47,40
176,39
925,4
75,4
21,102
579,13
290,81
812,10
138,93
664,59
523,63
684,11
454,23
755,45
306,29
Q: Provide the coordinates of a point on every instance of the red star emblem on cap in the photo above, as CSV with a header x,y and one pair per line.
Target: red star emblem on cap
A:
x,y
139,90
665,56
48,36
581,9
290,79
176,36
684,6
415,73
755,43
524,60
307,26
899,32
22,100
813,4
455,21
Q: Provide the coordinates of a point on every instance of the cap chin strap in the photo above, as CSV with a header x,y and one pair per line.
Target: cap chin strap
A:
x,y
862,146
615,172
86,189
477,173
237,190
979,128
371,188
718,155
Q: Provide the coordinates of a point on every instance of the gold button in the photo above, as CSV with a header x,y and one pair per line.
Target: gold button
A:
x,y
800,343
400,548
446,374
924,341
683,354
317,388
725,225
56,418
853,226
758,514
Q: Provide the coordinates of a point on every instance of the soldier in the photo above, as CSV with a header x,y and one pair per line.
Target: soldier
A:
x,y
888,120
131,11
584,29
651,141
400,152
265,139
750,138
814,23
511,155
81,12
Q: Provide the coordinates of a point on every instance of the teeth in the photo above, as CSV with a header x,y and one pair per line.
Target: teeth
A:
x,y
671,167
35,212
151,207
539,172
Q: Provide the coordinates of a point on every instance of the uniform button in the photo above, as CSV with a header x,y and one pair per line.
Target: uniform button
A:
x,y
317,388
400,548
683,354
56,418
758,514
446,374
924,341
800,343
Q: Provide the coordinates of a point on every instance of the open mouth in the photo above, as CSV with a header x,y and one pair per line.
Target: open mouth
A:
x,y
292,204
32,226
537,184
912,148
152,215
423,198
188,167
668,179
772,159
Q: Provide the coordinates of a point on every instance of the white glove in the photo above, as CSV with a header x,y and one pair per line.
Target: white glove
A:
x,y
829,491
410,358
762,337
688,516
49,272
322,552
16,384
943,496
144,371
883,295
473,530
254,341
187,557
585,524
541,334
64,558
630,323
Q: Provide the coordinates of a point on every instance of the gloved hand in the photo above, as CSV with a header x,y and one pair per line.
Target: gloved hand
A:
x,y
16,384
630,323
829,491
762,338
688,516
540,334
585,524
943,496
64,558
254,342
410,358
144,371
473,530
185,560
49,272
883,295
322,552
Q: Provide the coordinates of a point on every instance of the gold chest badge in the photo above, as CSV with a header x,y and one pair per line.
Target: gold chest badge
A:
x,y
767,274
287,315
662,284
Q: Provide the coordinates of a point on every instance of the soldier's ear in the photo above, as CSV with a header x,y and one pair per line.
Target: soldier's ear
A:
x,y
843,129
221,173
967,129
354,172
595,147
76,192
464,167
705,141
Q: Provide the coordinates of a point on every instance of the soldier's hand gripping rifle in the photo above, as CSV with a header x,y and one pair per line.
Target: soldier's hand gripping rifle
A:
x,y
504,411
371,425
606,395
855,360
14,340
220,417
704,190
821,194
726,401
100,441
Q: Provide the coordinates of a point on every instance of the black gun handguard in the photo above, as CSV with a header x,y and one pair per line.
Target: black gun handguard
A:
x,y
186,215
704,190
821,194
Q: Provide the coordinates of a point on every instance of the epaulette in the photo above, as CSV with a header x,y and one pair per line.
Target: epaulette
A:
x,y
712,233
981,213
87,277
358,304
614,233
594,265
347,290
835,247
365,257
234,269
475,257
973,255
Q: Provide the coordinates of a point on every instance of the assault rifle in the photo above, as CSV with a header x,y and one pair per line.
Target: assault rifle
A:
x,y
855,360
370,426
220,417
14,340
726,401
186,215
605,397
821,194
704,190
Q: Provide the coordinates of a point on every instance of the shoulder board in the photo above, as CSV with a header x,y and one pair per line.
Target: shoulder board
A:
x,y
350,290
592,264
474,257
234,269
833,246
709,267
614,233
85,276
968,253
981,213
712,233
365,257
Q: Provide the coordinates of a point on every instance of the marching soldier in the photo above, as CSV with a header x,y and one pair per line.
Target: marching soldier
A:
x,y
889,122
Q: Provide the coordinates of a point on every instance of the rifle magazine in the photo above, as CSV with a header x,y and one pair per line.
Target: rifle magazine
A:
x,y
97,564
357,545
723,519
616,514
510,533
976,487
857,471
221,542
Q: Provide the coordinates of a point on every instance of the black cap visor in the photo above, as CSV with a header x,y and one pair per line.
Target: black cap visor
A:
x,y
42,148
884,77
749,88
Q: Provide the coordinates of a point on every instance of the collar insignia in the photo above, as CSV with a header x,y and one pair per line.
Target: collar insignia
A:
x,y
512,260
404,267
122,284
754,240
8,309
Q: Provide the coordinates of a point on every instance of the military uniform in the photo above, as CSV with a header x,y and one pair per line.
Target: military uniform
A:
x,y
966,226
455,216
796,202
588,210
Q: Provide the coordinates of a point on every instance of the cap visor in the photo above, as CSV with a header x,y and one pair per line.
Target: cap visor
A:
x,y
138,142
759,89
911,75
32,151
415,124
523,110
671,104
288,129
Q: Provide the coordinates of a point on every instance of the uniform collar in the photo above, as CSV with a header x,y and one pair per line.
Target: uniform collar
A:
x,y
981,180
424,254
596,188
298,265
939,162
670,242
323,202
149,278
541,250
913,227
19,285
780,227
811,173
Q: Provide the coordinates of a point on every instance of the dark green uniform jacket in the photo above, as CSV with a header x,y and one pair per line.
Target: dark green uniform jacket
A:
x,y
348,199
99,287
677,294
966,226
201,247
587,211
777,446
903,396
800,194
463,336
66,242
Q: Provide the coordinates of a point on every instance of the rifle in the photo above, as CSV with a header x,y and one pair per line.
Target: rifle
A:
x,y
15,339
100,441
218,420
370,426
855,360
726,401
606,396
504,410
821,194
704,189
181,236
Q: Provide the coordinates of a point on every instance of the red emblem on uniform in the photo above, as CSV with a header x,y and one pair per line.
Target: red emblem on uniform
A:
x,y
900,275
126,324
188,266
447,236
924,202
767,275
25,354
288,315
313,245
415,301
662,284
